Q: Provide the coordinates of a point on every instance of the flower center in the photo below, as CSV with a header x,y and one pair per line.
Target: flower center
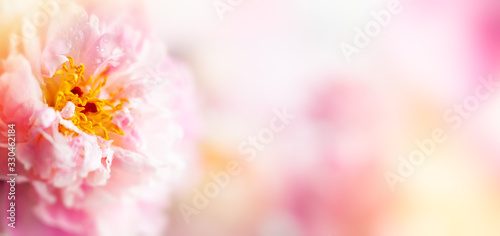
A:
x,y
92,114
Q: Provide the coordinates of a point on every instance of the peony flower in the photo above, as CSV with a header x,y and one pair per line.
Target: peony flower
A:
x,y
97,109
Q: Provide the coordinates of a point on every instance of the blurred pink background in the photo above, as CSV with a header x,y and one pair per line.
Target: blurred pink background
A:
x,y
324,173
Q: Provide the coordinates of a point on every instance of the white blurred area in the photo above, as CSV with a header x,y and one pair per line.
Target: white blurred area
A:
x,y
324,174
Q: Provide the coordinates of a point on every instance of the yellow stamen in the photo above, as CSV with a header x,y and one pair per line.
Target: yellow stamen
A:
x,y
92,115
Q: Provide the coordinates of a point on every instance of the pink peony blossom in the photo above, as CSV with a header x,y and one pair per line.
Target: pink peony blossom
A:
x,y
97,109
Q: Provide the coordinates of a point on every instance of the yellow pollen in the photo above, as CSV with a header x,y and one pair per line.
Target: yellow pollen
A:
x,y
92,114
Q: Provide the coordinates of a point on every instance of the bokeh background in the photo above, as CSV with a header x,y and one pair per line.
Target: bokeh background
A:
x,y
324,174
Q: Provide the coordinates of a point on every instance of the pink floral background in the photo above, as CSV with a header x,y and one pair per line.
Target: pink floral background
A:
x,y
203,77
